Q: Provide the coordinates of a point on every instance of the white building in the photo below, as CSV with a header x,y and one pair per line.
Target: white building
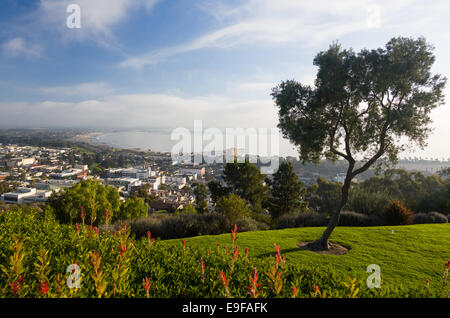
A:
x,y
19,162
155,182
18,196
82,167
137,173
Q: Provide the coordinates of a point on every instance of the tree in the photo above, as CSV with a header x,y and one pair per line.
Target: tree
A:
x,y
132,208
246,180
217,190
201,193
91,196
361,105
233,208
189,209
287,192
324,195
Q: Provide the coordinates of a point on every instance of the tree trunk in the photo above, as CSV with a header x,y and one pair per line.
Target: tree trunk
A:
x,y
322,243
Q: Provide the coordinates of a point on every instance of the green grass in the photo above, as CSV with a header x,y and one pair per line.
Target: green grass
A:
x,y
410,255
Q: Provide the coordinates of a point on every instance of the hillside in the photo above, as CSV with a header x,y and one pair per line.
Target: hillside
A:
x,y
410,255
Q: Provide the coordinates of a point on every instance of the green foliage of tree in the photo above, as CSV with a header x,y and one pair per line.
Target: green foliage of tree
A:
x,y
189,209
287,192
94,197
324,196
217,190
420,193
201,194
367,202
131,209
233,207
4,187
361,104
246,180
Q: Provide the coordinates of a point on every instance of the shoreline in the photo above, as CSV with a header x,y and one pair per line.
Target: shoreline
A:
x,y
91,139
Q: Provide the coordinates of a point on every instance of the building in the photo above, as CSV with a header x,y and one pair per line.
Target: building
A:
x,y
175,181
193,171
136,173
69,173
19,196
124,183
82,167
40,196
155,182
3,176
19,162
165,206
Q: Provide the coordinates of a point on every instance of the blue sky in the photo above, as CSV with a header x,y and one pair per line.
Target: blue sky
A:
x,y
165,63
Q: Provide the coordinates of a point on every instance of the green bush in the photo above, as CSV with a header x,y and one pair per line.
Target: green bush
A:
x,y
349,218
233,208
366,202
396,214
429,218
306,219
249,224
172,226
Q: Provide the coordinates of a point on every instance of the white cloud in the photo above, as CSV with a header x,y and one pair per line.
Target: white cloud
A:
x,y
98,18
148,110
268,22
19,47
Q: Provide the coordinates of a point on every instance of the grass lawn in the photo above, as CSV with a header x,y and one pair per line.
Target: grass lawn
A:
x,y
410,255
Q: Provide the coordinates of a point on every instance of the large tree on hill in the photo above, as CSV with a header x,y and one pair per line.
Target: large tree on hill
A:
x,y
366,106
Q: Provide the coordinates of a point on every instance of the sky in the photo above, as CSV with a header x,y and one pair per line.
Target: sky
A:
x,y
161,64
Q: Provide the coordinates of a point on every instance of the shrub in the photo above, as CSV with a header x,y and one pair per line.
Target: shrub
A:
x,y
177,226
437,217
396,214
132,208
420,218
430,217
173,226
349,218
250,224
366,202
306,219
233,208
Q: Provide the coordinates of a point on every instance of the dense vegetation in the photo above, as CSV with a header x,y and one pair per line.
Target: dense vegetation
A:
x,y
286,201
41,258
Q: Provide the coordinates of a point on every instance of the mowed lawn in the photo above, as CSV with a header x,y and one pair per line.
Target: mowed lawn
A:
x,y
406,254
